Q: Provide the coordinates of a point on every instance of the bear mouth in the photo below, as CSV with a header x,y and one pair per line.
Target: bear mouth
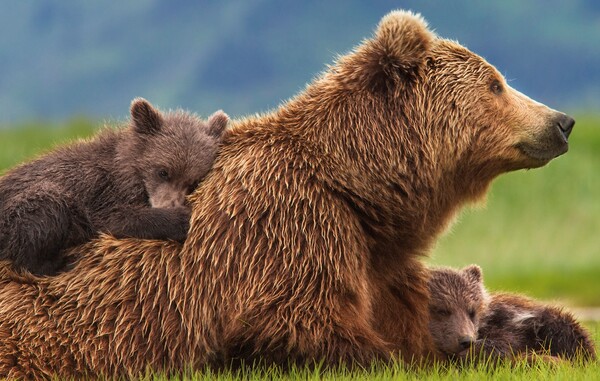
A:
x,y
455,355
542,154
549,145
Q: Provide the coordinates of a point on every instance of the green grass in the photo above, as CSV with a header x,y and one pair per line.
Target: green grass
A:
x,y
24,141
396,371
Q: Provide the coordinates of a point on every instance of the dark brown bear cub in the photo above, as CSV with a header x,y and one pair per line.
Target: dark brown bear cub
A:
x,y
130,182
458,303
500,325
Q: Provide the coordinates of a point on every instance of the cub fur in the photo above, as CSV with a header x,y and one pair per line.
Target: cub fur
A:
x,y
130,182
466,319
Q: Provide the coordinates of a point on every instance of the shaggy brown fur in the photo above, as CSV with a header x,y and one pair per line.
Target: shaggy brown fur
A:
x,y
306,237
130,182
516,325
457,303
465,320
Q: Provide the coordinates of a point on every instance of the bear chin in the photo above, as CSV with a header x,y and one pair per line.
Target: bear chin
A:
x,y
539,155
551,143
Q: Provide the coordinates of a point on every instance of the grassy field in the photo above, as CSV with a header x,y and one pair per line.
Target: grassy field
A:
x,y
539,233
24,141
519,371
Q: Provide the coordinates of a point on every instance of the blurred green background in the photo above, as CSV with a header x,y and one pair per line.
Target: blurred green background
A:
x,y
66,66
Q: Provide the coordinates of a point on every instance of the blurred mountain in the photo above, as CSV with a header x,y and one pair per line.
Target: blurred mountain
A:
x,y
64,57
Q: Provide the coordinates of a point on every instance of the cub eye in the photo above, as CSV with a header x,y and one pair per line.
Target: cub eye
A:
x,y
193,187
496,87
163,174
472,314
441,312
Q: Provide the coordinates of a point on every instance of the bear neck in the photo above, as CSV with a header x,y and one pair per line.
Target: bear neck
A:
x,y
403,212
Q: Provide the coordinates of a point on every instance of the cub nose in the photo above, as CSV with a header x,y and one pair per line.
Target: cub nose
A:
x,y
465,342
565,123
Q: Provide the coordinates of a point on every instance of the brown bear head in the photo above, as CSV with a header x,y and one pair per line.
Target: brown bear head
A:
x,y
494,127
458,301
434,116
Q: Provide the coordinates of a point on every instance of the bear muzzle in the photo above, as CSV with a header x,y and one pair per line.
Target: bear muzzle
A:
x,y
565,124
557,136
551,142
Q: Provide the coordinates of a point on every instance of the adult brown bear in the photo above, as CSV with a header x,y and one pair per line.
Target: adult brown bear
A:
x,y
306,237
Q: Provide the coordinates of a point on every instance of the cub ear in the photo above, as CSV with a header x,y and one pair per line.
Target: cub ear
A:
x,y
474,273
145,118
217,123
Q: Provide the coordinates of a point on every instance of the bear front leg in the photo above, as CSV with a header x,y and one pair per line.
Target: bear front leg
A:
x,y
401,312
356,347
38,225
334,335
301,348
149,223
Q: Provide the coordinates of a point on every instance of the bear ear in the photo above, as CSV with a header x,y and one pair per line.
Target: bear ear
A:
x,y
395,53
474,273
217,123
145,118
403,38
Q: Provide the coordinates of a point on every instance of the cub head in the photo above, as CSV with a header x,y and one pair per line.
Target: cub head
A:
x,y
458,300
173,152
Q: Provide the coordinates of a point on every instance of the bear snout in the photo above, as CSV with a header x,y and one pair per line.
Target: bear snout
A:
x,y
555,141
550,142
168,196
465,342
565,124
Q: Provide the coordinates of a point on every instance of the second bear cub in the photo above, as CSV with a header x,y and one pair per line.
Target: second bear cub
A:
x,y
465,317
129,182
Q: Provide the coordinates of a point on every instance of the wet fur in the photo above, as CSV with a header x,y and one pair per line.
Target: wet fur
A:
x,y
306,239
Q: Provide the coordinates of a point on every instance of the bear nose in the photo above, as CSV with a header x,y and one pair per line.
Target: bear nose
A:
x,y
465,342
565,123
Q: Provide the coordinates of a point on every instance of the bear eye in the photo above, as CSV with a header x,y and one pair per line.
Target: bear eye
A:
x,y
442,312
430,63
496,87
193,187
163,174
472,314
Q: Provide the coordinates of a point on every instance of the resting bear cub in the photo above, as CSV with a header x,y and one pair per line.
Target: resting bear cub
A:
x,y
130,182
499,325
